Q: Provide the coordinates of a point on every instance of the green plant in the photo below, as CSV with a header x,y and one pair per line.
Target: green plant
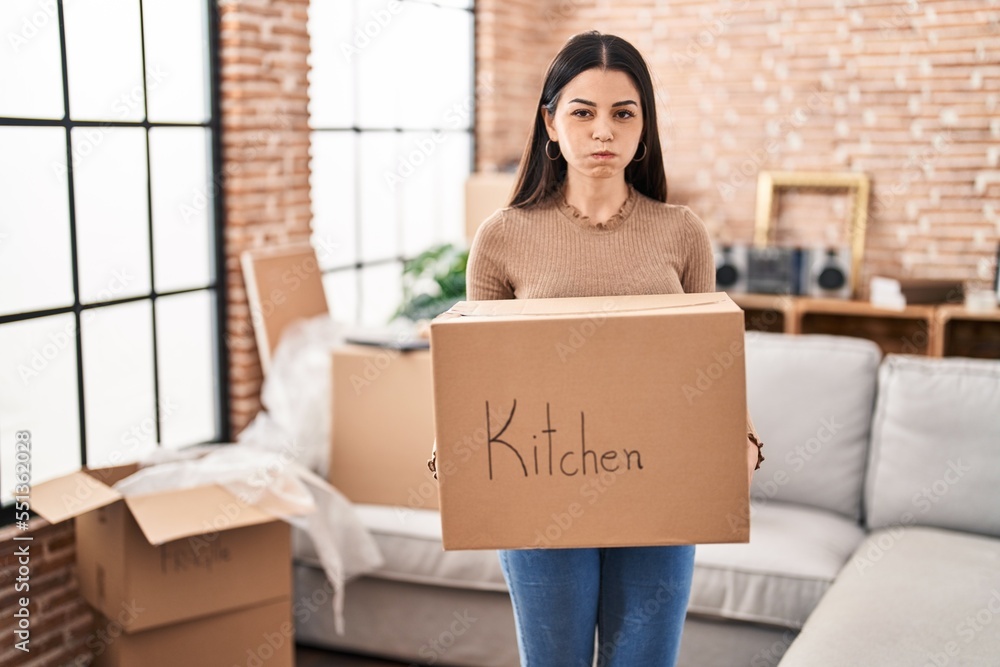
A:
x,y
433,282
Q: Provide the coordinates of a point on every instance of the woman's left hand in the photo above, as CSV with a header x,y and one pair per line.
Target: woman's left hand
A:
x,y
751,460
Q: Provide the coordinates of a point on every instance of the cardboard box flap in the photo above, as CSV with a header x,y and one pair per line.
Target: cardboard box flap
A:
x,y
173,515
587,305
70,496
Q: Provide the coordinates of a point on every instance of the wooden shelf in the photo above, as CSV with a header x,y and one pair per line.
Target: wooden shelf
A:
x,y
934,330
966,333
767,312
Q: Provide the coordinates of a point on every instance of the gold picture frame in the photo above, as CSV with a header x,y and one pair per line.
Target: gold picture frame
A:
x,y
856,183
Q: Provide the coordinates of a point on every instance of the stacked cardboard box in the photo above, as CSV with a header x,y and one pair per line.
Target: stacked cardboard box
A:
x,y
187,577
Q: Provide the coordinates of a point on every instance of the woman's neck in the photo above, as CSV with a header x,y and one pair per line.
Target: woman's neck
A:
x,y
596,198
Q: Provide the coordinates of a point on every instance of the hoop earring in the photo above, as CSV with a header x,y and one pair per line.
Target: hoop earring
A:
x,y
643,156
548,155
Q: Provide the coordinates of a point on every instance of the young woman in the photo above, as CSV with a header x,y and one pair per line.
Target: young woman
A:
x,y
589,218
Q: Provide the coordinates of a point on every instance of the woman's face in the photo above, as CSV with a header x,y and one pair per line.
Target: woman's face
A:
x,y
597,122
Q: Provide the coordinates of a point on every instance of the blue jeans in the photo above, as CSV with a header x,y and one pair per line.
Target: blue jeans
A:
x,y
635,597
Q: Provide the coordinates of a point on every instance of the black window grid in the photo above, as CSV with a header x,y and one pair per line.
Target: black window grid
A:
x,y
216,286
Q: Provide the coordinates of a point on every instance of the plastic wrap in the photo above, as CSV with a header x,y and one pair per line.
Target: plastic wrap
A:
x,y
296,391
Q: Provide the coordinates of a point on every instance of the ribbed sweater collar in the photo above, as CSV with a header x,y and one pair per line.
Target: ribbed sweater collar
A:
x,y
614,222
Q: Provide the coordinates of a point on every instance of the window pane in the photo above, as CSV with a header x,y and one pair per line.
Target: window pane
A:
x,y
182,206
433,198
38,394
434,72
420,193
30,63
118,382
341,289
111,212
333,187
185,336
381,293
380,174
453,167
103,53
379,64
452,61
176,39
335,42
35,271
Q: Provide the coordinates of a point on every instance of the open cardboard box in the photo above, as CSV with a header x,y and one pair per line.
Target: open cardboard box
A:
x,y
174,555
591,422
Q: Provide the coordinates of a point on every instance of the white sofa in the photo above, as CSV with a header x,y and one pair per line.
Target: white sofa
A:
x,y
875,534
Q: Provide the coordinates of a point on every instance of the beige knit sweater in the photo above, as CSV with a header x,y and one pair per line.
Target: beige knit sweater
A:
x,y
553,250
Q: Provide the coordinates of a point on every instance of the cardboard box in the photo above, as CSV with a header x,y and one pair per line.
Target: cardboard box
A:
x,y
261,635
485,192
175,555
591,422
383,426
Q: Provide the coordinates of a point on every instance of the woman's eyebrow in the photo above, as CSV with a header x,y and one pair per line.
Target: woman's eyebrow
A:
x,y
592,104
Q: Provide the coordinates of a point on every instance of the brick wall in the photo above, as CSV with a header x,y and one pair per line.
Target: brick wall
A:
x,y
511,56
907,92
263,88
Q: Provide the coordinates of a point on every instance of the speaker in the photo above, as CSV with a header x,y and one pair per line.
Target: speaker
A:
x,y
731,269
774,270
828,273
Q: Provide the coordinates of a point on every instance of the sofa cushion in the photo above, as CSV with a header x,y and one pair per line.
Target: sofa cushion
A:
x,y
778,578
935,455
910,596
811,399
410,542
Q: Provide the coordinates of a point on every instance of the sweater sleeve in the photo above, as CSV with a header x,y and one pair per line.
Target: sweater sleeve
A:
x,y
699,272
486,274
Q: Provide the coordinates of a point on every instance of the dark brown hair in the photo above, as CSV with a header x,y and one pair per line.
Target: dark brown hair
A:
x,y
538,177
